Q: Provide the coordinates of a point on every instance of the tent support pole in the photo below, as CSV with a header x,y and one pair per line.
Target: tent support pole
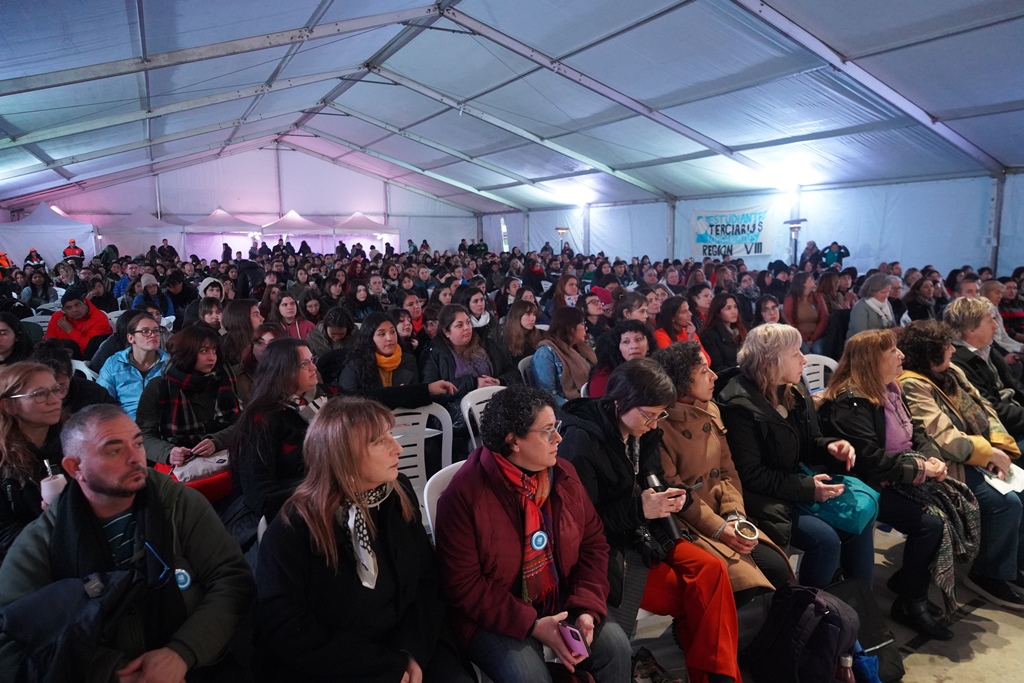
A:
x,y
280,189
479,228
996,220
670,238
159,203
526,232
586,228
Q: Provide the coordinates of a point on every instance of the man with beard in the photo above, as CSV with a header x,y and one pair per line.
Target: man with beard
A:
x,y
151,550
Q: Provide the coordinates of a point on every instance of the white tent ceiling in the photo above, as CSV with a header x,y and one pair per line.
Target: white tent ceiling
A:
x,y
525,104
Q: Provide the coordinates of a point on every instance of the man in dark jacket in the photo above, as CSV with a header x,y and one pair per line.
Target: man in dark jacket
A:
x,y
117,521
974,321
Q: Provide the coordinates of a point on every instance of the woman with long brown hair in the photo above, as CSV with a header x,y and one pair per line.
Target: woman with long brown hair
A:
x,y
566,292
563,360
30,418
348,583
806,310
723,332
520,334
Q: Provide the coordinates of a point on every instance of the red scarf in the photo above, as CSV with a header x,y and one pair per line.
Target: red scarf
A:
x,y
540,574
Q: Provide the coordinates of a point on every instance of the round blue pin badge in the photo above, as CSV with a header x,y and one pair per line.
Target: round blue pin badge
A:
x,y
182,578
539,540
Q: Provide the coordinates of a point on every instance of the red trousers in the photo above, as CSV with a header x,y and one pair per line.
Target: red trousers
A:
x,y
693,587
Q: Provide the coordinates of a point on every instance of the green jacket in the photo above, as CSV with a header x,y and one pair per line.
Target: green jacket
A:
x,y
219,595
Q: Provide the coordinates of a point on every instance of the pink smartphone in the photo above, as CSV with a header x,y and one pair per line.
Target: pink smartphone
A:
x,y
573,639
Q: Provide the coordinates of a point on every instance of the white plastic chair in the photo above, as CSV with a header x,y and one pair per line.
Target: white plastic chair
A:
x,y
814,371
52,307
411,432
433,490
167,321
542,327
114,315
82,367
472,405
526,369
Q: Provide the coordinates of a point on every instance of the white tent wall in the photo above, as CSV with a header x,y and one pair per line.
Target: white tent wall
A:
x,y
421,218
542,229
245,185
109,205
631,230
1011,246
513,226
315,188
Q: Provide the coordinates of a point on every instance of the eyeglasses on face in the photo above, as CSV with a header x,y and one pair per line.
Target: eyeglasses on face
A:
x,y
648,419
306,363
146,331
550,433
41,395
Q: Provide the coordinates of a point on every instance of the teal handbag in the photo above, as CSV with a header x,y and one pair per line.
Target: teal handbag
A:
x,y
852,511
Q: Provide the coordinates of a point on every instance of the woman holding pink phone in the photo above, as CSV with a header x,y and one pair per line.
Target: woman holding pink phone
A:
x,y
524,560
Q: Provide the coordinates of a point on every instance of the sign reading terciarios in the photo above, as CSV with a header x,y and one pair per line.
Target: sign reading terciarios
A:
x,y
739,233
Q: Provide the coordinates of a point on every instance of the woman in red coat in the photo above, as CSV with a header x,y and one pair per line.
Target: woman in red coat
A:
x,y
522,549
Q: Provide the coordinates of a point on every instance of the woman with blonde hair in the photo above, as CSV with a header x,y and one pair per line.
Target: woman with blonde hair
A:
x,y
348,586
864,404
30,418
773,431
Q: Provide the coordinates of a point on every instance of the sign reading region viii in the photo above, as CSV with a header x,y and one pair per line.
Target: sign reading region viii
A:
x,y
739,233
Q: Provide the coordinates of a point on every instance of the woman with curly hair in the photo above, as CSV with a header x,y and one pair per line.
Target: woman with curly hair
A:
x,y
972,442
513,505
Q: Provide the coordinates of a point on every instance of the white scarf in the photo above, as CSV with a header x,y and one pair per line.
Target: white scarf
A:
x,y
351,517
482,321
884,309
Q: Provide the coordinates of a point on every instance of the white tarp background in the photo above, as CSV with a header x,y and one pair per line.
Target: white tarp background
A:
x,y
48,232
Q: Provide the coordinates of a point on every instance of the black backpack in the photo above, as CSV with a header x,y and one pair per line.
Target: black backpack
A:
x,y
806,632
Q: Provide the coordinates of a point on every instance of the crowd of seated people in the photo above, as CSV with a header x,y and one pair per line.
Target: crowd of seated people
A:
x,y
284,366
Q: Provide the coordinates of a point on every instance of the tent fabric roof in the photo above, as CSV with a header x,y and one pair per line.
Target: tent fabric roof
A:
x,y
498,105
357,222
293,224
222,220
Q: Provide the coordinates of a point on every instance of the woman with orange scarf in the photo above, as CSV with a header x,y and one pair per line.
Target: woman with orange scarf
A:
x,y
378,368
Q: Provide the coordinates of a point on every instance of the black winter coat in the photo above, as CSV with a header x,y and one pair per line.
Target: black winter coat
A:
x,y
437,362
767,451
592,442
316,624
721,347
406,390
854,418
1010,410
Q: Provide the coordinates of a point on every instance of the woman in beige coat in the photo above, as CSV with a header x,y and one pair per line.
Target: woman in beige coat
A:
x,y
694,451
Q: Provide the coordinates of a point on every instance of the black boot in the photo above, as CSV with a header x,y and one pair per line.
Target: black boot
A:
x,y
916,615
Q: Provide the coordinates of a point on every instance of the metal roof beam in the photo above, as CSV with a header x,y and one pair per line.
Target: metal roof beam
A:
x,y
939,35
13,86
139,144
125,175
451,151
410,167
521,132
132,117
592,84
377,176
982,110
786,26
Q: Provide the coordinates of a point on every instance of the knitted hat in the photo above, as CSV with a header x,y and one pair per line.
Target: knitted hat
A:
x,y
206,283
148,280
603,294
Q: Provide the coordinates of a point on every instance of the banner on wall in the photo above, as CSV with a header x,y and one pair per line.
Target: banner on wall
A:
x,y
737,233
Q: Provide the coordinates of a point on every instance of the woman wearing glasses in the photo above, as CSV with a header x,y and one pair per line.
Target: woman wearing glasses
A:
x,y
126,373
772,431
191,410
348,582
30,417
614,444
521,512
266,456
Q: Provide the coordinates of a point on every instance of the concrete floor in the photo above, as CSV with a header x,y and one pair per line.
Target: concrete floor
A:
x,y
983,650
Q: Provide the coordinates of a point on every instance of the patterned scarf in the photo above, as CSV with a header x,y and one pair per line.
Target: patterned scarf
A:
x,y
540,574
352,519
180,423
309,404
953,502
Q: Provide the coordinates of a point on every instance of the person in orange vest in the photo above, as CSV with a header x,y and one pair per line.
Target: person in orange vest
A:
x,y
74,254
5,260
